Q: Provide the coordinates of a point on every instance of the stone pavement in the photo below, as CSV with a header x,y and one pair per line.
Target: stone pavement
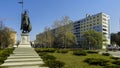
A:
x,y
114,53
24,57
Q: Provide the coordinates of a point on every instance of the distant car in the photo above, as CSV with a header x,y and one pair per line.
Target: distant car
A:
x,y
112,47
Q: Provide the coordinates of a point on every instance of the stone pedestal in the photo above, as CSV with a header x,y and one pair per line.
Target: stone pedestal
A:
x,y
25,39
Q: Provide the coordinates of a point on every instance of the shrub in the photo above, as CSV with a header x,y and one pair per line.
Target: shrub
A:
x,y
48,57
79,53
4,54
106,54
92,51
51,50
42,53
115,58
2,67
54,64
112,66
117,62
96,61
2,59
62,51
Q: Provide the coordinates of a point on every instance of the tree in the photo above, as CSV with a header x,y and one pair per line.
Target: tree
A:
x,y
46,38
92,39
115,38
49,37
63,32
5,38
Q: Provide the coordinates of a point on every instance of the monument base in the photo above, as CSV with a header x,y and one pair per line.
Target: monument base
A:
x,y
25,40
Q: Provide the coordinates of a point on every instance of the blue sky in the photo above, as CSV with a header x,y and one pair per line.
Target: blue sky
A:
x,y
44,12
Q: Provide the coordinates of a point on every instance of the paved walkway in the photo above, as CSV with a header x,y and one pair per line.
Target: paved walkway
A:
x,y
24,57
113,53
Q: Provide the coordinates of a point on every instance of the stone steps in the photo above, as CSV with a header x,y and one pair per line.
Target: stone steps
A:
x,y
23,60
23,63
24,57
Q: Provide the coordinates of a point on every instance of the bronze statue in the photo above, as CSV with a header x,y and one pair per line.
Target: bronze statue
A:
x,y
25,23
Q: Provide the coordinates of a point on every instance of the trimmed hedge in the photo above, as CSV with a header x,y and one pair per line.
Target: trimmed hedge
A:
x,y
96,61
106,54
48,57
51,50
49,60
4,54
54,64
3,67
79,53
117,62
115,58
112,66
92,51
62,51
42,53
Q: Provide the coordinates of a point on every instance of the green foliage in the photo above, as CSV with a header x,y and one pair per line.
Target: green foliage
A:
x,y
60,36
5,38
49,60
106,54
92,40
2,59
42,53
55,64
4,54
117,62
80,53
96,61
115,38
115,58
111,66
92,51
3,67
48,57
62,51
51,50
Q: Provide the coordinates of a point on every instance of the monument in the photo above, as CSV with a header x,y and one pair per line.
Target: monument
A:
x,y
25,28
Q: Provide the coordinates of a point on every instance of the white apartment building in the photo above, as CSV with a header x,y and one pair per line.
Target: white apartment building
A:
x,y
98,22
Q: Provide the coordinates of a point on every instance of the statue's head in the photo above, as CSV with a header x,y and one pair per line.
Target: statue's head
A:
x,y
25,12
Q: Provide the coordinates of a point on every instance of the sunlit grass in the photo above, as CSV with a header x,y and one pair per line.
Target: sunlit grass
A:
x,y
72,61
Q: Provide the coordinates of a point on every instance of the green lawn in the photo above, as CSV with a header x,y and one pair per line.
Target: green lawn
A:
x,y
72,61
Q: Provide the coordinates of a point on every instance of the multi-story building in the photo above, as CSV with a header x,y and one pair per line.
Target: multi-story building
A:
x,y
13,36
98,22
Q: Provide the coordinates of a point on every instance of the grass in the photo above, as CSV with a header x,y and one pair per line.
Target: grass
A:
x,y
72,61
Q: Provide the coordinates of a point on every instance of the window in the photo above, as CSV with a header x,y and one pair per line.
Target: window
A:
x,y
94,17
90,24
104,33
90,18
94,24
104,19
87,19
104,29
97,19
97,22
104,26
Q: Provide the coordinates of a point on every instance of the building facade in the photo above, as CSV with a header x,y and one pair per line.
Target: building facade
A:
x,y
13,36
98,22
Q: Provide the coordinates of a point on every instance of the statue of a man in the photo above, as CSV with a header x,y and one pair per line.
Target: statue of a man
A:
x,y
25,23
